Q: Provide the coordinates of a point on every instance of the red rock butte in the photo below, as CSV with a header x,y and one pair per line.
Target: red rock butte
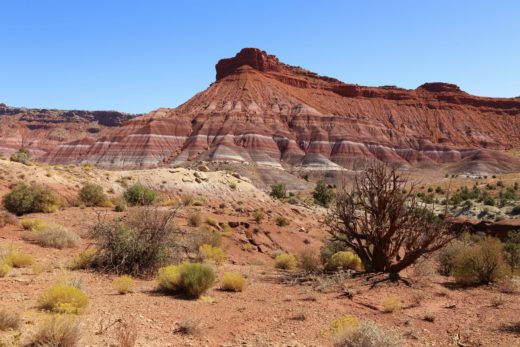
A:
x,y
265,112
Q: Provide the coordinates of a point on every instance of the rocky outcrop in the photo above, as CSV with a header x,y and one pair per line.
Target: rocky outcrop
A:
x,y
272,114
42,130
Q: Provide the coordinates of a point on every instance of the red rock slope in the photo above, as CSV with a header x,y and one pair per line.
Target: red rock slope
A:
x,y
262,111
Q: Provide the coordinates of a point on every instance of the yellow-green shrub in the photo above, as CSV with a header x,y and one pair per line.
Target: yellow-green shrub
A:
x,y
33,224
18,259
25,198
191,279
123,284
83,260
233,282
62,298
285,261
211,221
341,324
212,254
391,304
343,260
4,269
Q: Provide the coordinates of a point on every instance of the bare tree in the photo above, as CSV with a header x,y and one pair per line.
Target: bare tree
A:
x,y
382,221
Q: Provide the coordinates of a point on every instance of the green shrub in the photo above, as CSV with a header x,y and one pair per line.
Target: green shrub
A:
x,y
481,263
123,284
54,235
138,194
515,210
57,330
62,298
278,191
233,282
192,279
323,194
282,221
343,260
137,244
92,195
24,199
512,251
285,261
212,254
21,156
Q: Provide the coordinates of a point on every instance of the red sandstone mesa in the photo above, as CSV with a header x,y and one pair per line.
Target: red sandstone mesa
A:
x,y
262,111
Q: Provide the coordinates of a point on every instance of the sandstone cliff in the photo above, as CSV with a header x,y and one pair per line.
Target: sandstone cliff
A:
x,y
262,111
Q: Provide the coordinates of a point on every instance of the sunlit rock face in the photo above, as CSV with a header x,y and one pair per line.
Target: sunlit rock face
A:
x,y
264,112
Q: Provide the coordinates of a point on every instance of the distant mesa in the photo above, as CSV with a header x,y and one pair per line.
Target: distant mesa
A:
x,y
274,115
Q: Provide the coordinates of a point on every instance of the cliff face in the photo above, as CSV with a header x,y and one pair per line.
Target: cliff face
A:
x,y
263,111
41,130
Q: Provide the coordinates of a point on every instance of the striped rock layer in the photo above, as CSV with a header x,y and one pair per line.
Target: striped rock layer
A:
x,y
262,111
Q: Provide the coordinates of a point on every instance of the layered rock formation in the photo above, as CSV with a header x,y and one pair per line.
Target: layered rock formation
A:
x,y
262,111
41,130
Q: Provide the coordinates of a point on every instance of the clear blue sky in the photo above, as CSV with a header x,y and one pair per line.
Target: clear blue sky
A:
x,y
136,56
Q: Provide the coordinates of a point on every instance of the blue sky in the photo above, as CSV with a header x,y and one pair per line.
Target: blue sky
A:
x,y
136,56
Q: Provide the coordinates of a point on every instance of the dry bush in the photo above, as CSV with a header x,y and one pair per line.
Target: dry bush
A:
x,y
189,327
233,282
123,284
191,279
367,334
119,204
9,320
259,215
382,221
139,243
308,262
126,334
57,331
285,261
62,298
212,254
343,260
282,221
195,219
481,263
187,199
391,304
212,221
52,235
446,256
509,286
424,268
7,218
